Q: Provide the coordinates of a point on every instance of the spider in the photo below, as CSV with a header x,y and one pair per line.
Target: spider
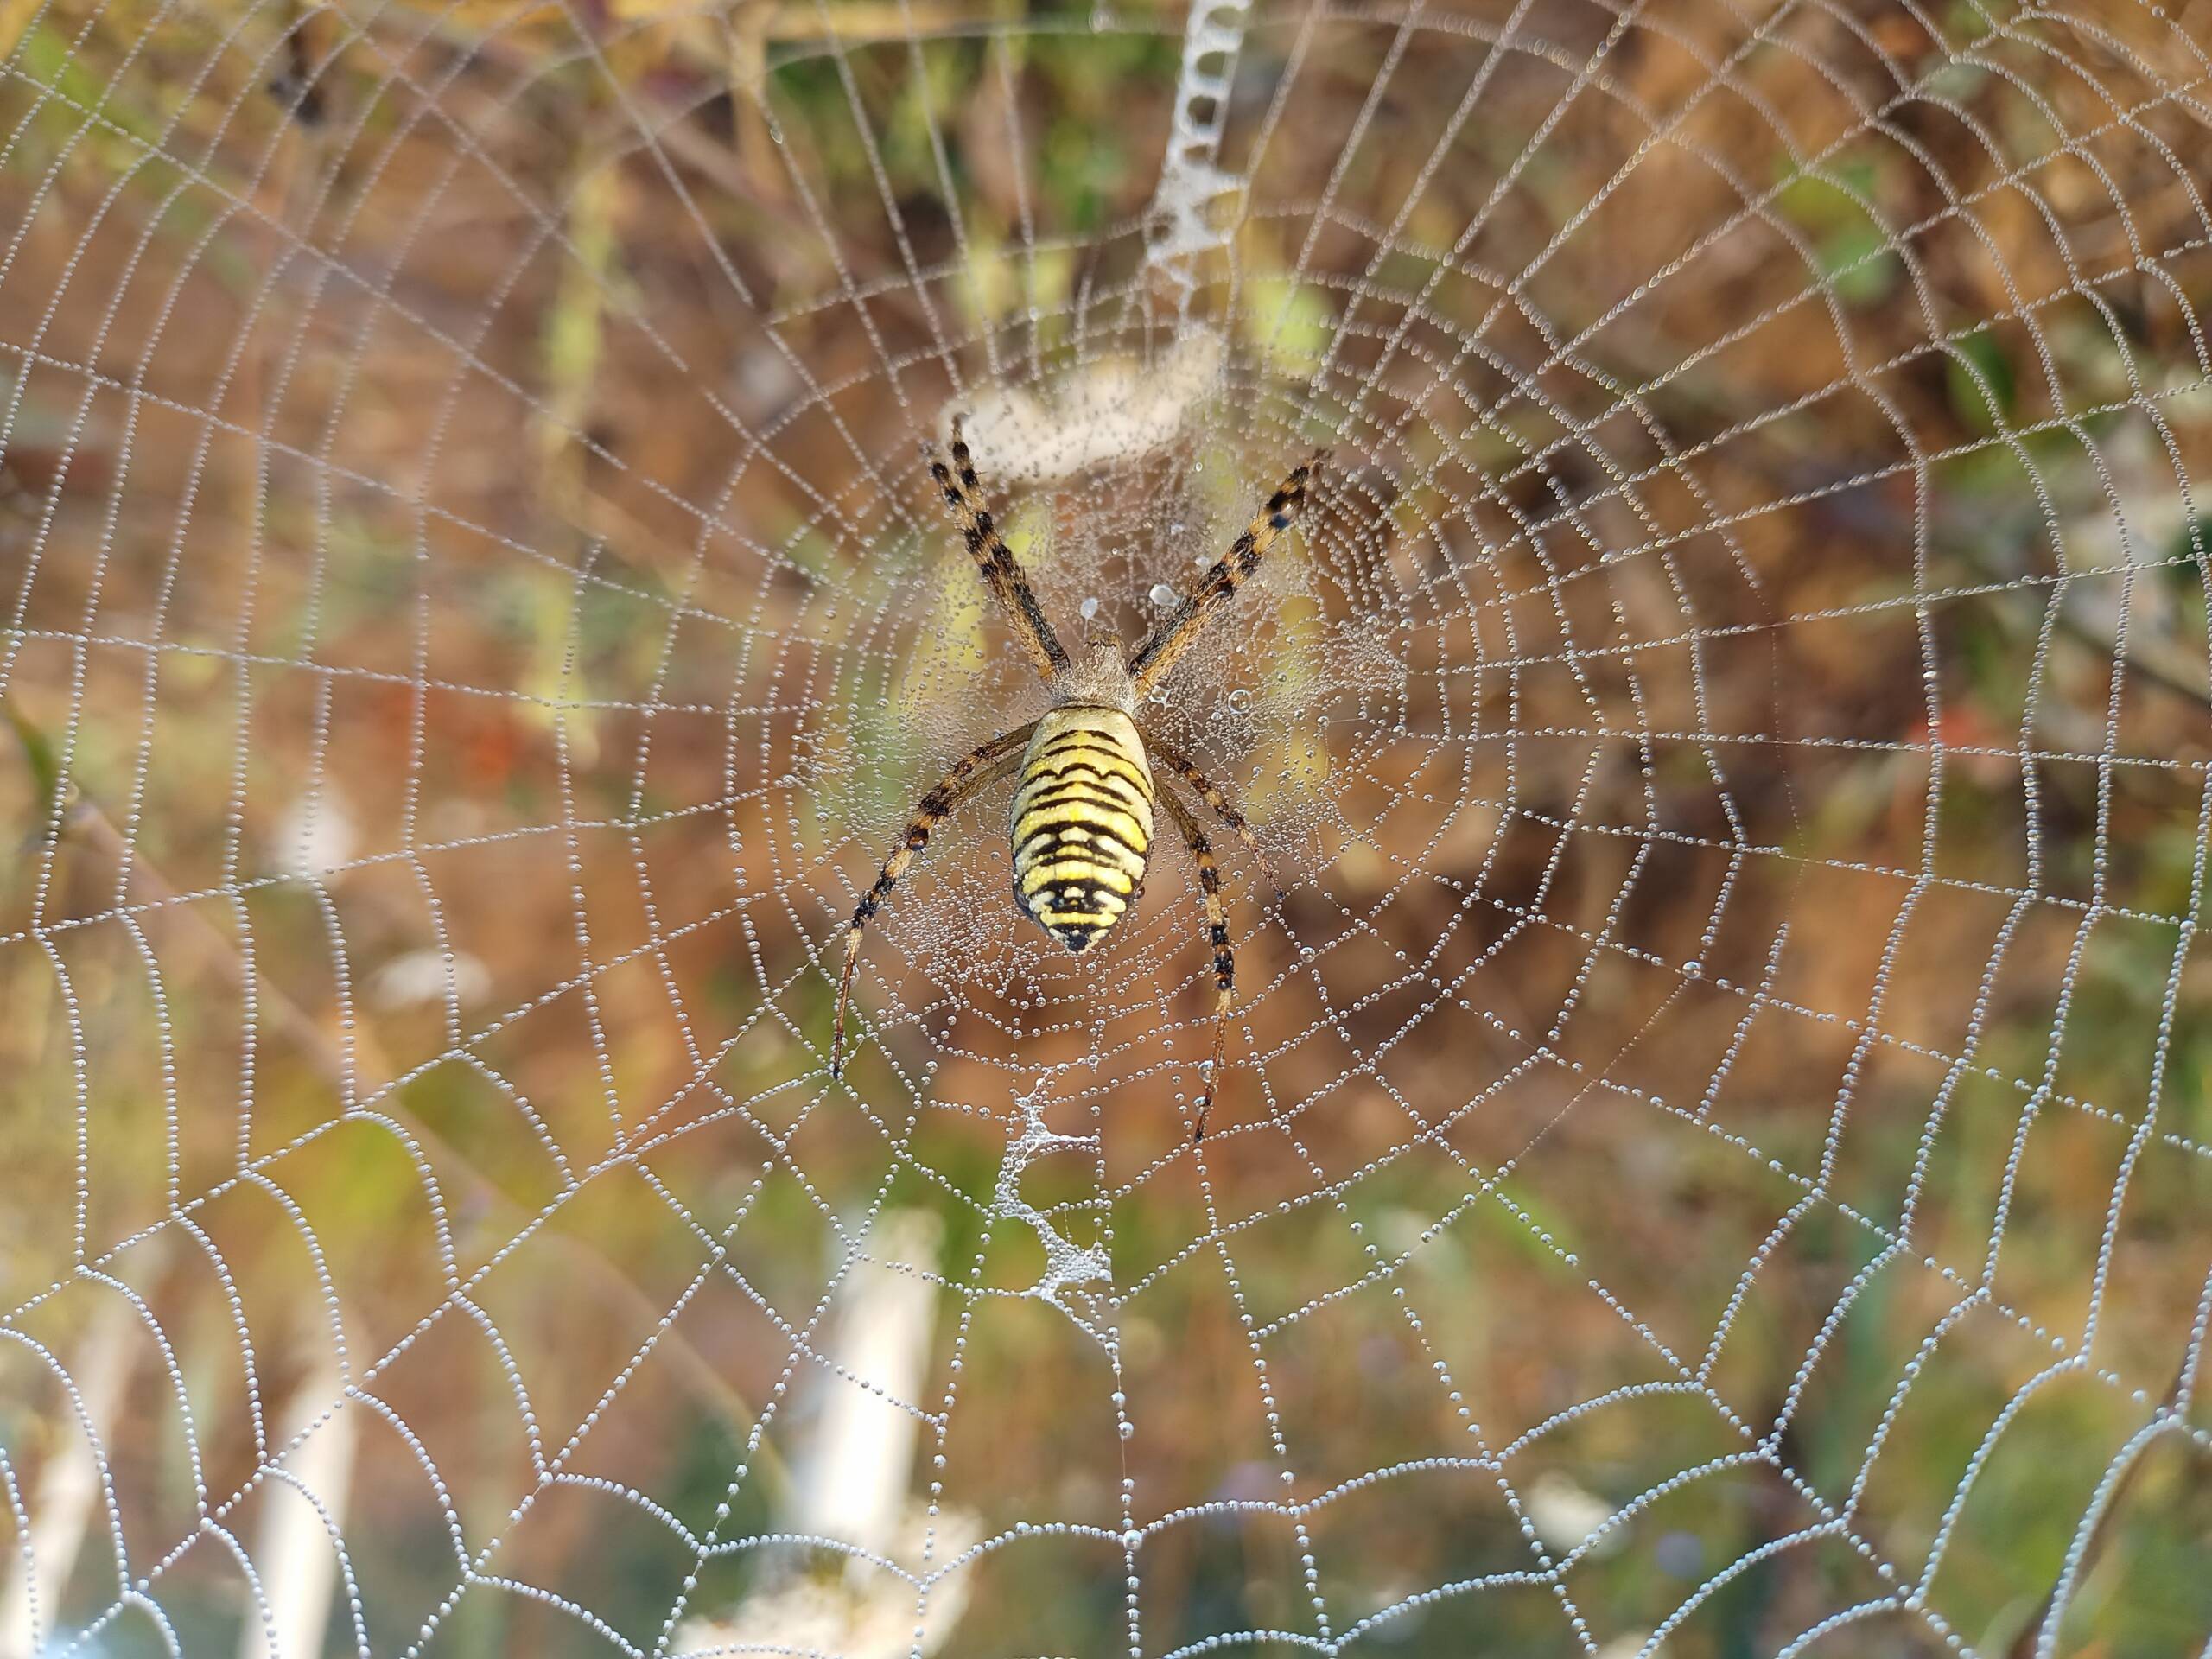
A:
x,y
1081,825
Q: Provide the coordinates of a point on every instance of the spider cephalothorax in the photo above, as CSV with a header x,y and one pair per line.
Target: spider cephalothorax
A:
x,y
1081,824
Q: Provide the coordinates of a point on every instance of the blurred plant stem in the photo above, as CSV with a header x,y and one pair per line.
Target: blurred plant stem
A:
x,y
74,1477
296,1558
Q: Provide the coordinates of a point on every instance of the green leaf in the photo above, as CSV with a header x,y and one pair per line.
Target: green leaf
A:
x,y
38,750
1979,377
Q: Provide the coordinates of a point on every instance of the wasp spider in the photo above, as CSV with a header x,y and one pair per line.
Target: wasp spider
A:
x,y
1081,820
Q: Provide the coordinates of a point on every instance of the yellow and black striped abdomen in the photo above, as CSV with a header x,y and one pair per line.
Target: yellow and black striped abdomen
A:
x,y
1082,823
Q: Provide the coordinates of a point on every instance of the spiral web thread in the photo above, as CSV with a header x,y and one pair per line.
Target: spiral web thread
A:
x,y
1713,1152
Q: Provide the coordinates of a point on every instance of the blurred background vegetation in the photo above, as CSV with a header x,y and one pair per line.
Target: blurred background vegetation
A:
x,y
1718,1134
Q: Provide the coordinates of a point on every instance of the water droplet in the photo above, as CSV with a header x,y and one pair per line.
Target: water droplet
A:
x,y
1240,699
1162,595
1088,609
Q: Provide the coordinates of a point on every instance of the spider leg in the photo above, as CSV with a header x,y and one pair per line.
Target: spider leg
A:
x,y
1224,959
1002,572
994,760
1219,584
1180,764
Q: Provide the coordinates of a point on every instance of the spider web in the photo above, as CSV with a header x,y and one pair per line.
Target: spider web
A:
x,y
1713,1152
